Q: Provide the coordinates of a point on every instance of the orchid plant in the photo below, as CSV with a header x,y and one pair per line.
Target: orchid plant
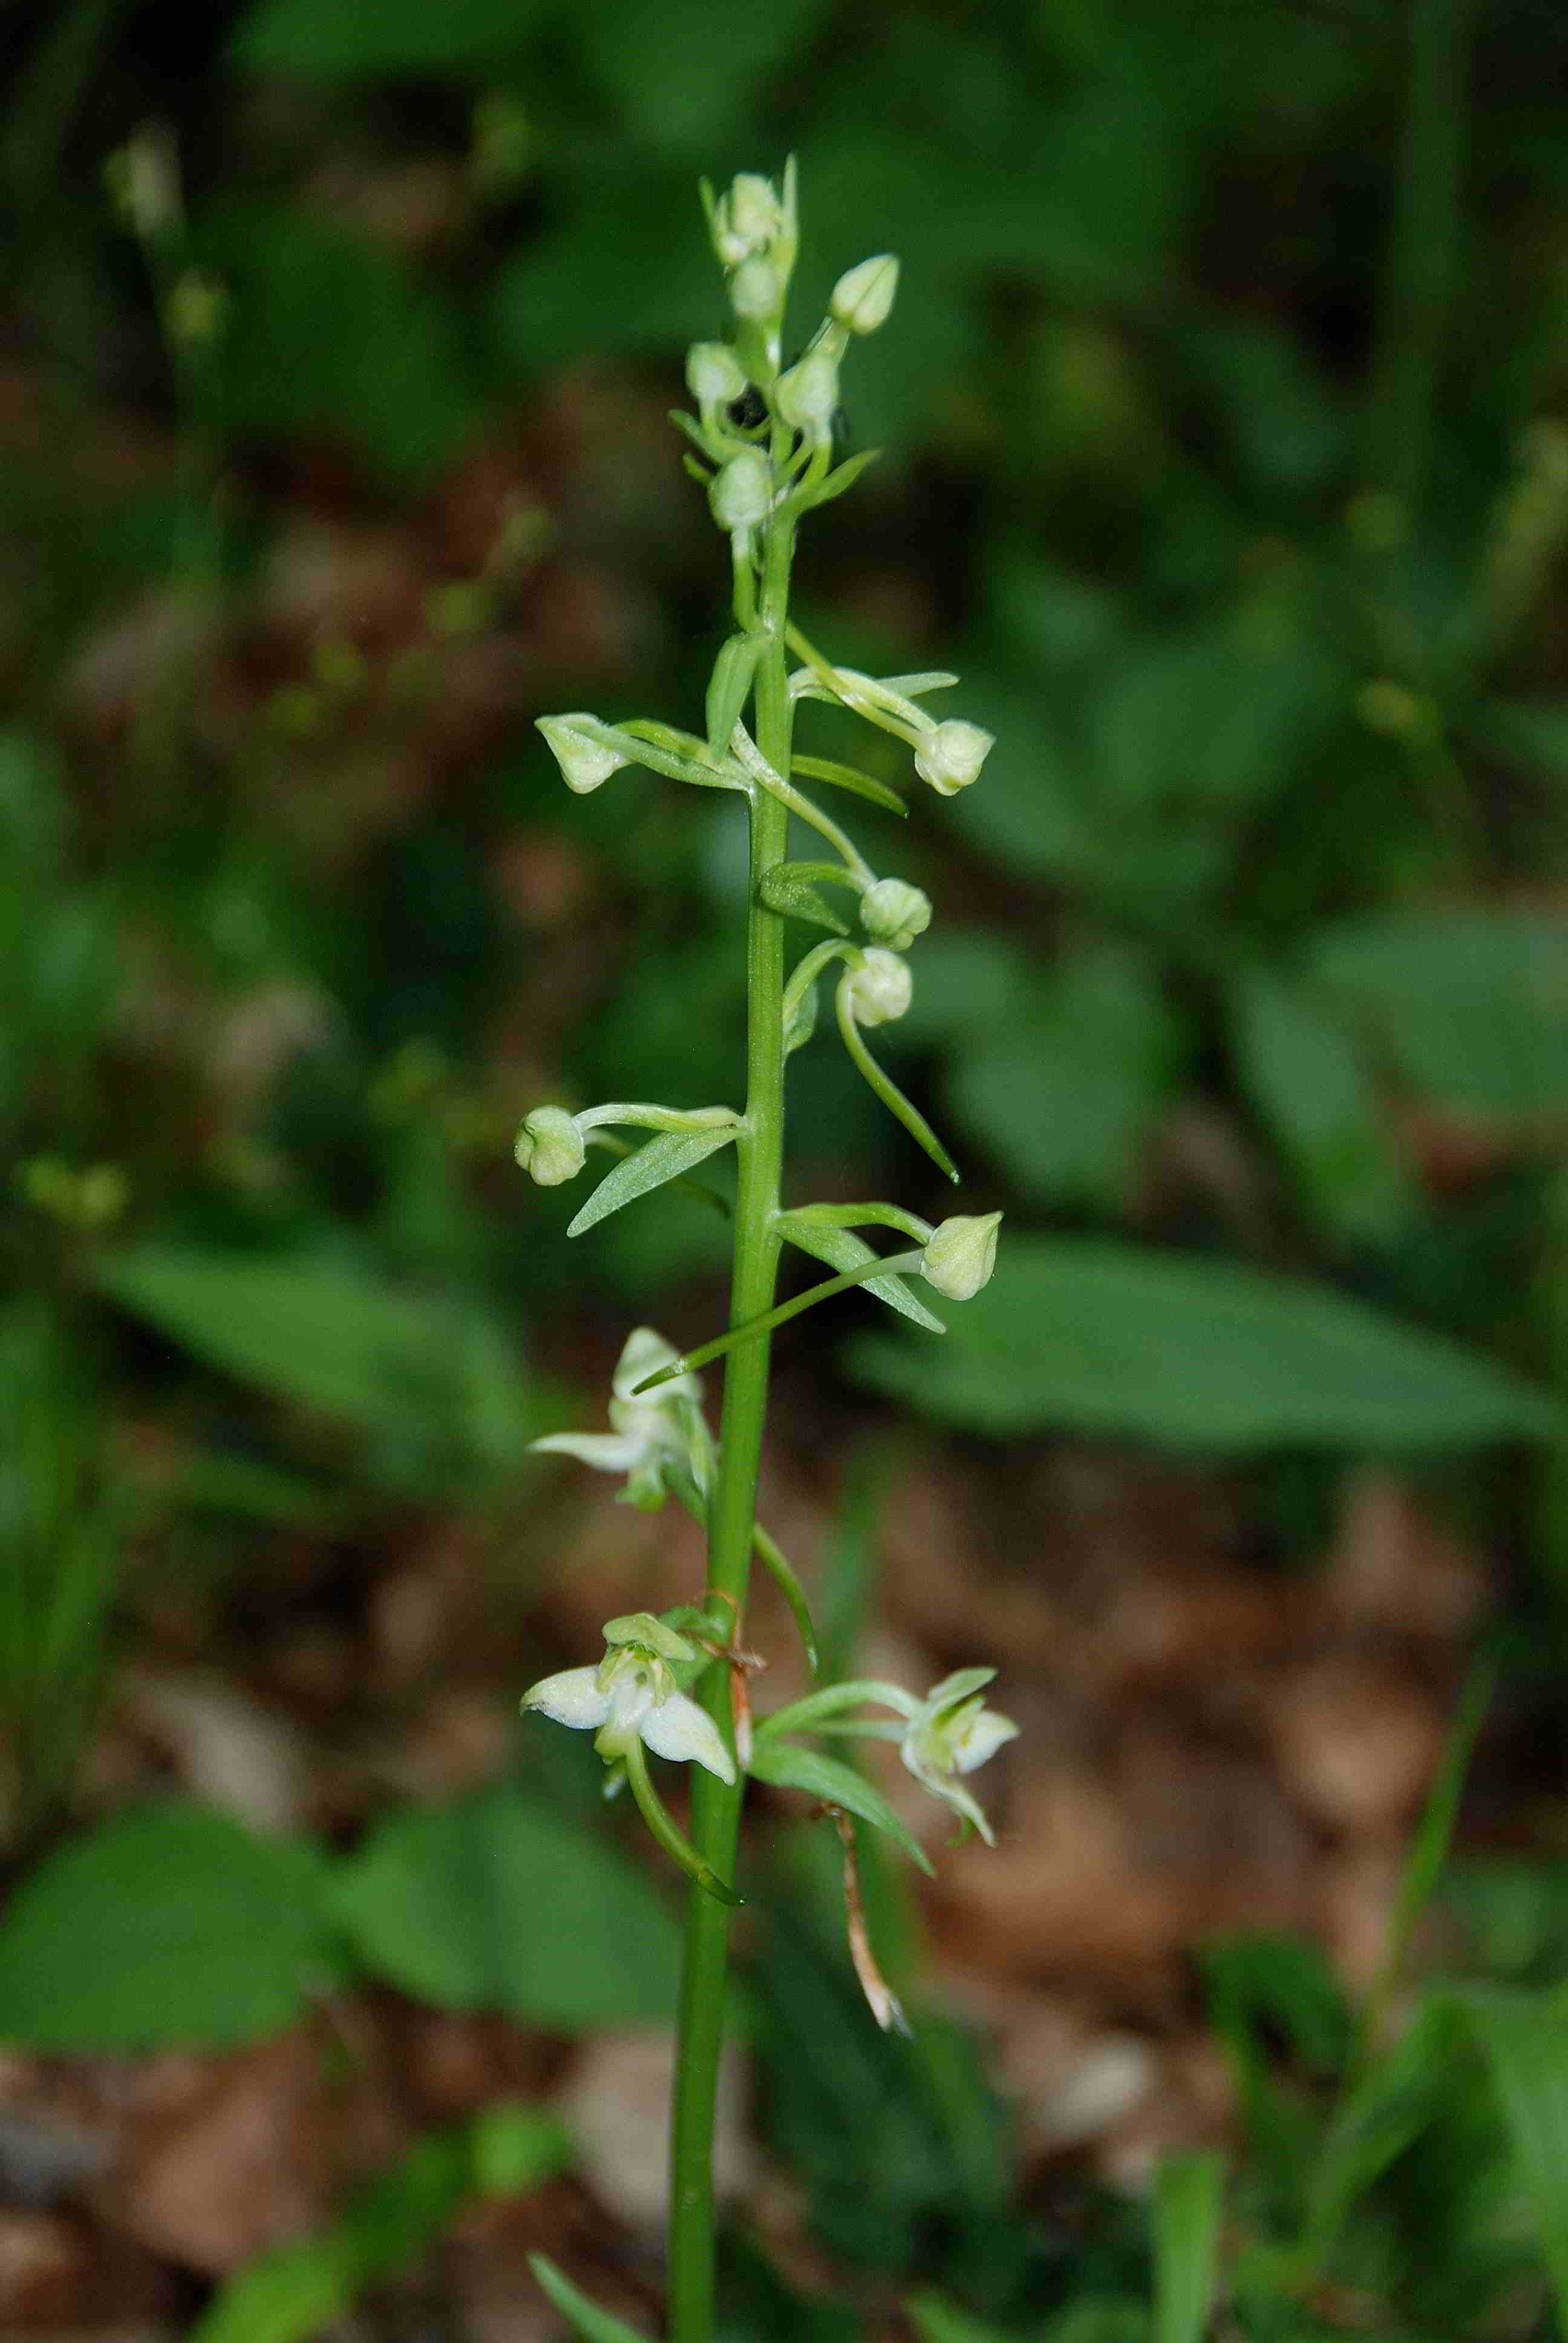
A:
x,y
676,1687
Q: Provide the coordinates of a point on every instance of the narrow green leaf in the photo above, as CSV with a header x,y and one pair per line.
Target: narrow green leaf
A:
x,y
796,898
790,1766
850,778
842,1249
1525,2038
613,1144
1429,1847
729,686
846,476
1188,2200
776,1565
666,1157
937,2320
584,2316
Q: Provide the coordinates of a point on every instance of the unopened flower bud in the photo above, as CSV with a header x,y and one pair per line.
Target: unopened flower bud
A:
x,y
742,494
714,374
881,989
754,290
584,763
864,293
753,209
894,913
951,755
549,1146
808,395
961,1254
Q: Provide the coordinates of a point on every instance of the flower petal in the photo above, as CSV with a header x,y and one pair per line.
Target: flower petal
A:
x,y
573,1697
678,1728
606,1451
983,1738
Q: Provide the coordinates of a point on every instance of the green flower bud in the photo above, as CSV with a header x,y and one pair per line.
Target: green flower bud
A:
x,y
584,763
808,395
755,290
894,913
753,211
951,755
864,295
549,1146
961,1254
742,494
881,989
714,374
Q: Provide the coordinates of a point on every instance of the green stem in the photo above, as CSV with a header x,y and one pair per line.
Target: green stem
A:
x,y
716,1805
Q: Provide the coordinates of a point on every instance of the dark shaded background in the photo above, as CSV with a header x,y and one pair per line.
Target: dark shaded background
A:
x,y
1225,456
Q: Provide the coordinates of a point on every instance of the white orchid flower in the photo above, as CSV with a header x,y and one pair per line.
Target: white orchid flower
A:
x,y
632,1696
952,1732
654,1436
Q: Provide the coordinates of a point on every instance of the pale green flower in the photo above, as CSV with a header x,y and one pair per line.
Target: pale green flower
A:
x,y
950,755
652,1436
894,913
549,1146
632,1696
952,1732
881,986
961,1254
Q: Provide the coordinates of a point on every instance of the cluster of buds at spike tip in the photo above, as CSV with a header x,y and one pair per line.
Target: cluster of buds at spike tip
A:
x,y
657,1441
753,225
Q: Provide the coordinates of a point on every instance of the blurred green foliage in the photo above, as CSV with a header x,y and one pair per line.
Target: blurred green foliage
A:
x,y
1224,454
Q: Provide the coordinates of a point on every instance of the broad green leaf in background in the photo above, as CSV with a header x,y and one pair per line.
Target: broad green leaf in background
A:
x,y
1111,1338
321,39
1308,1082
492,1903
1188,2198
1525,2038
172,1924
1470,1006
301,2289
323,1332
1063,1093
